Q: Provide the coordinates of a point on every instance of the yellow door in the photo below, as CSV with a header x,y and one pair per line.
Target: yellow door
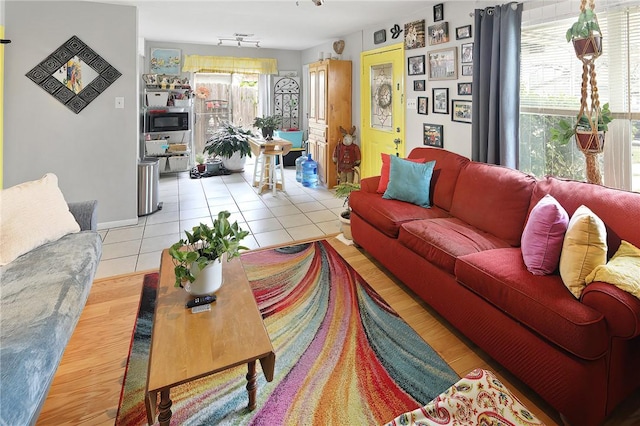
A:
x,y
381,106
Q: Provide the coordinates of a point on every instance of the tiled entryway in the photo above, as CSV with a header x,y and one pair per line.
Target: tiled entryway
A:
x,y
296,214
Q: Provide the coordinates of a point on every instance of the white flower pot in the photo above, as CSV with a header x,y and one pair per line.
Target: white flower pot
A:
x,y
235,163
345,226
208,280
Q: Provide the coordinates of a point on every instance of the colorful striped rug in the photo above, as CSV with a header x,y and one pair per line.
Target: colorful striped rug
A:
x,y
343,356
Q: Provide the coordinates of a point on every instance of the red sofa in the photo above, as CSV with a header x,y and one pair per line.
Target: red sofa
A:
x,y
462,257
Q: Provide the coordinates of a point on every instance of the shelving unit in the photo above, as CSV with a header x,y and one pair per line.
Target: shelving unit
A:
x,y
173,148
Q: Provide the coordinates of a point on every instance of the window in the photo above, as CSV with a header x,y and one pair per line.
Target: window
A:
x,y
222,98
551,77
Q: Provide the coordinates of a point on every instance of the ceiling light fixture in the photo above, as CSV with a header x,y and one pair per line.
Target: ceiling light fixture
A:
x,y
316,2
239,39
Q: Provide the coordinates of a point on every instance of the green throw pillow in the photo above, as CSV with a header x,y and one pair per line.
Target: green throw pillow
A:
x,y
409,181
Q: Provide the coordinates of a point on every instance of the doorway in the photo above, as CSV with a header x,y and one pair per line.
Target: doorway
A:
x,y
381,106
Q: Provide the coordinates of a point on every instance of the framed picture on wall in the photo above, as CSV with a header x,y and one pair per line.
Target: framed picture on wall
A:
x,y
461,111
423,105
414,34
440,99
165,61
443,64
439,33
415,65
467,70
464,89
463,32
466,53
419,86
379,36
438,12
433,135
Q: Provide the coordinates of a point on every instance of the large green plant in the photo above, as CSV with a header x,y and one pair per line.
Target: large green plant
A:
x,y
270,122
584,26
204,244
228,140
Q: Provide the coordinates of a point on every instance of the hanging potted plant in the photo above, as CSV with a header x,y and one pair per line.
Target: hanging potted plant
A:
x,y
231,144
343,190
588,140
268,124
586,35
198,257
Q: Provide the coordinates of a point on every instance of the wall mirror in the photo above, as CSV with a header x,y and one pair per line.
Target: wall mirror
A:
x,y
74,74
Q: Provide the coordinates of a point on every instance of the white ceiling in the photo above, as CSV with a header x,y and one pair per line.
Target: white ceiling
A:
x,y
278,24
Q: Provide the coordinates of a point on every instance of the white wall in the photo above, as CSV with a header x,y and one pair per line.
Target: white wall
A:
x,y
457,136
94,153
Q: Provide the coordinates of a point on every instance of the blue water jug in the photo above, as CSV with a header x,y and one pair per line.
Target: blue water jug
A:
x,y
299,161
309,173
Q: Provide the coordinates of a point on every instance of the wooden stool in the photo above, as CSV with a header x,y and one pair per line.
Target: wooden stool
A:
x,y
269,170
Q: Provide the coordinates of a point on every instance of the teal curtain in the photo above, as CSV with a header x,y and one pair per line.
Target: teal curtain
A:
x,y
496,84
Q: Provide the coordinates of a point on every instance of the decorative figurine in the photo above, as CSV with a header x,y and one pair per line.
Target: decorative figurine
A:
x,y
346,155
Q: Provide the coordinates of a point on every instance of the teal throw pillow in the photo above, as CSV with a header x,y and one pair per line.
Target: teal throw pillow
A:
x,y
409,181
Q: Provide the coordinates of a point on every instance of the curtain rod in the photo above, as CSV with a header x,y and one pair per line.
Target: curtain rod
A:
x,y
489,10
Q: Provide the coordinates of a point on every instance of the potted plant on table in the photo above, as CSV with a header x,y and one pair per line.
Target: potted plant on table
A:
x,y
344,190
268,125
586,138
198,257
585,34
231,144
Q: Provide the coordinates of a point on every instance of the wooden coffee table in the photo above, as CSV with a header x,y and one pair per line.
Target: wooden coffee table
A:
x,y
186,346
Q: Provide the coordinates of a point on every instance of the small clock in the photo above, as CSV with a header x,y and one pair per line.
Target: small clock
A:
x,y
380,36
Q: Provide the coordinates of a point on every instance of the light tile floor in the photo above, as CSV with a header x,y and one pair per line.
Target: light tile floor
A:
x,y
298,213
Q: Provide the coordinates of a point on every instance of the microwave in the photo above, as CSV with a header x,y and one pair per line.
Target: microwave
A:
x,y
165,121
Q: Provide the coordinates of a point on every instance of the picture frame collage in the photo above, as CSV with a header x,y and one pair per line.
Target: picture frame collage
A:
x,y
441,63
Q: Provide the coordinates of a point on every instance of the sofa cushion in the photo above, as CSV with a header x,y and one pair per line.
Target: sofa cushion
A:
x,y
445,173
541,303
543,236
623,270
384,170
441,241
388,215
31,214
584,248
409,181
43,295
494,199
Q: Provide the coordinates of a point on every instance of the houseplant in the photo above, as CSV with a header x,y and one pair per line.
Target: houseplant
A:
x,y
200,163
231,144
343,190
268,124
585,34
586,138
198,257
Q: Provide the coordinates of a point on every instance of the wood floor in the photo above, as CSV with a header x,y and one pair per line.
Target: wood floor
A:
x,y
86,388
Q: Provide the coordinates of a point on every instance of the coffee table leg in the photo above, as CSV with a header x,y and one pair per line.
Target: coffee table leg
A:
x,y
251,384
164,417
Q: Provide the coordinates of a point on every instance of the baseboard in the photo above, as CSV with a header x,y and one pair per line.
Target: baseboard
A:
x,y
117,223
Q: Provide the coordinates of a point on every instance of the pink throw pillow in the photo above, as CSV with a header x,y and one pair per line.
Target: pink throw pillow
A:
x,y
384,171
543,236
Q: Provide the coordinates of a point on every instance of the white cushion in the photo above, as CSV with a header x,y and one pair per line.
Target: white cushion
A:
x,y
31,214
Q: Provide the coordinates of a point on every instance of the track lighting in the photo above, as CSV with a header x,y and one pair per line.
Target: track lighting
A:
x,y
239,39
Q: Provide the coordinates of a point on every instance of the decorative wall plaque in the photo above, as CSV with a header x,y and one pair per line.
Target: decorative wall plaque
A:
x,y
74,74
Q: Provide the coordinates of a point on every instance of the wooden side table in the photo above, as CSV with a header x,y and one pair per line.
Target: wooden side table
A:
x,y
187,346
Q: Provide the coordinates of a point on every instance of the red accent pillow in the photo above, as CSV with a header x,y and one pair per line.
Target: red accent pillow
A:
x,y
384,172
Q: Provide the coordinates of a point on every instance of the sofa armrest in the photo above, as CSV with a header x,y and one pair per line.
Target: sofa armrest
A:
x,y
621,309
370,184
86,214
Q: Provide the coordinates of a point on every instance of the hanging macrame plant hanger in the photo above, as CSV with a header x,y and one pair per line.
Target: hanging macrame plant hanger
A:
x,y
589,138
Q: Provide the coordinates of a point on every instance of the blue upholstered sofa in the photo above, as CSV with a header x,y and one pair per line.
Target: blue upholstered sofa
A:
x,y
42,294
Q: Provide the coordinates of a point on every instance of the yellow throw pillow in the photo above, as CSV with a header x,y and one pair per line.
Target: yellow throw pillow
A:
x,y
584,247
31,214
623,270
